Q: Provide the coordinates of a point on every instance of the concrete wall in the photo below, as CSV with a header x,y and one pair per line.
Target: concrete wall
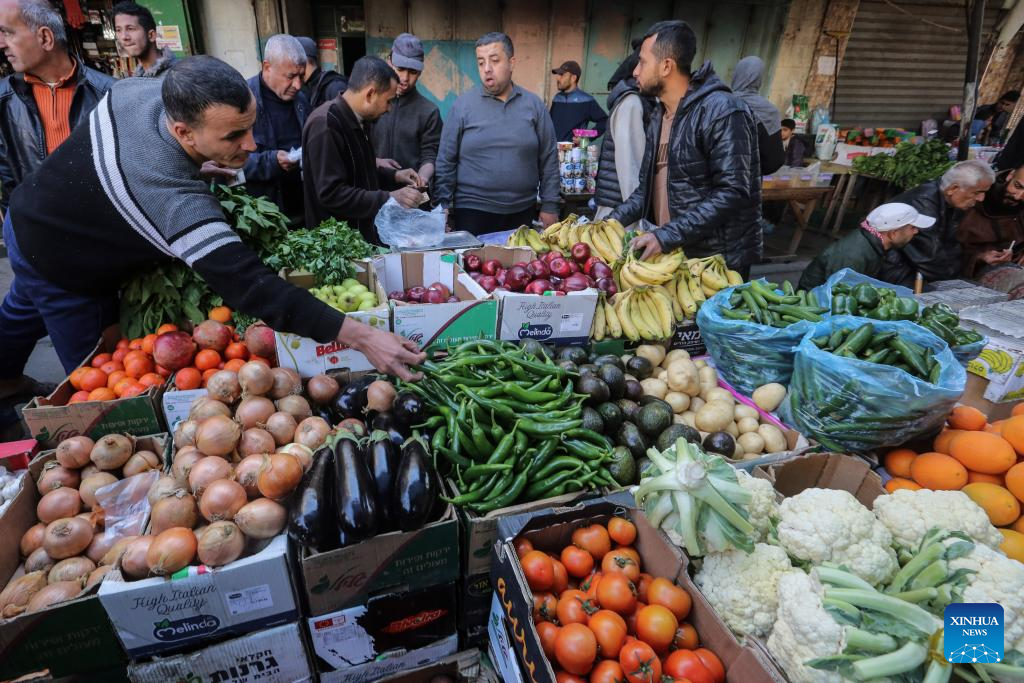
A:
x,y
229,33
796,52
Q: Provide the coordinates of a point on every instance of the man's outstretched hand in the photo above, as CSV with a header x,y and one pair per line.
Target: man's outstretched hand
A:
x,y
386,351
649,243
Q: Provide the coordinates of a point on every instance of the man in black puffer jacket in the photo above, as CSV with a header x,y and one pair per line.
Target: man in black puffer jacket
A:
x,y
700,181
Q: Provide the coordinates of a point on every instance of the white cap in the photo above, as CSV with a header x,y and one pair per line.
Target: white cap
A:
x,y
895,215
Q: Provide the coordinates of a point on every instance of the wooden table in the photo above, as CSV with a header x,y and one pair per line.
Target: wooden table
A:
x,y
803,201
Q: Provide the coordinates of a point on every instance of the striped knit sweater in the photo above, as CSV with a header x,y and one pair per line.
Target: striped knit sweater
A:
x,y
121,196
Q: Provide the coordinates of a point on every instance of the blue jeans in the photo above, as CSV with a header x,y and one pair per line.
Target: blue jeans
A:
x,y
35,307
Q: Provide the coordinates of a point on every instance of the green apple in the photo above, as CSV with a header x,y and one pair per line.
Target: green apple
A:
x,y
367,297
358,289
348,302
349,283
338,289
367,306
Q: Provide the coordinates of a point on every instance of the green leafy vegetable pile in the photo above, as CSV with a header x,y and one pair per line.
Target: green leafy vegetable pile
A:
x,y
325,251
910,166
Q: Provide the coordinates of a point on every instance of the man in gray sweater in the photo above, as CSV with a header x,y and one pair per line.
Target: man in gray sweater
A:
x,y
497,148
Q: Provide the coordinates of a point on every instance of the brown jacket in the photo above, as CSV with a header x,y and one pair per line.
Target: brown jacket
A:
x,y
339,171
982,230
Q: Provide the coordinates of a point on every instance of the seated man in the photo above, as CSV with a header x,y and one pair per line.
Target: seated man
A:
x,y
989,232
888,227
792,143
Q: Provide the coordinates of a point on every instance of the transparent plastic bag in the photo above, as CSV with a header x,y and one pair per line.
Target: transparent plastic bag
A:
x,y
748,354
851,405
125,505
402,228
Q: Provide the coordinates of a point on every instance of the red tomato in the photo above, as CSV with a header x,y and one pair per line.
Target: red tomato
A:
x,y
664,592
594,539
610,630
608,671
565,677
623,560
642,585
522,546
617,593
686,638
576,648
574,607
639,663
560,582
547,632
631,619
578,562
656,626
589,584
539,572
622,531
712,663
686,664
545,606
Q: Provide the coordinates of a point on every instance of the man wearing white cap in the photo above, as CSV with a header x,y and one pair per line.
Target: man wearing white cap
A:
x,y
890,226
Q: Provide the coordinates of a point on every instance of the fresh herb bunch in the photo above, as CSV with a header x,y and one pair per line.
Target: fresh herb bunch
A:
x,y
910,166
325,251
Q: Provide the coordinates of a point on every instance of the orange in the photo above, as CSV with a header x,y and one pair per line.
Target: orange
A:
x,y
1013,431
207,374
188,378
221,314
1014,478
151,379
1000,505
897,462
938,471
1018,409
1013,544
1018,525
983,452
115,377
76,377
99,359
137,367
136,353
901,483
135,344
943,439
133,389
122,343
93,378
967,417
120,354
166,327
207,359
234,365
111,366
979,477
995,428
123,384
102,394
78,397
236,350
147,343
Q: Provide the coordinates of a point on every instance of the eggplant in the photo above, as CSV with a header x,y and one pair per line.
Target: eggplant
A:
x,y
383,459
351,401
416,488
355,503
311,520
386,422
408,409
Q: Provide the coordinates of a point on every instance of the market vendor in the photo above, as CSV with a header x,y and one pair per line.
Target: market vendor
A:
x,y
887,227
991,233
98,212
936,253
700,182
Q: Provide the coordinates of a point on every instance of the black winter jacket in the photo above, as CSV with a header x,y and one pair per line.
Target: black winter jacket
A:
x,y
22,141
934,252
714,177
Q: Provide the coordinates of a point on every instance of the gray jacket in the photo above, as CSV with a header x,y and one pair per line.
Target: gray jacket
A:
x,y
410,132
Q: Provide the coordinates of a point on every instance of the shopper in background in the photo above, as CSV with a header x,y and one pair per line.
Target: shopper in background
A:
x,y
135,30
746,84
990,119
281,111
318,85
889,226
340,176
700,180
571,107
792,144
498,145
936,253
992,236
49,94
408,135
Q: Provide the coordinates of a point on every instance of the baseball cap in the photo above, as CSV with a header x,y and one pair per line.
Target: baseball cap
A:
x,y
407,52
568,67
895,215
309,45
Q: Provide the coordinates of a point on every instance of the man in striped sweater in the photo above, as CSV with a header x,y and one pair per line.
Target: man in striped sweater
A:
x,y
98,212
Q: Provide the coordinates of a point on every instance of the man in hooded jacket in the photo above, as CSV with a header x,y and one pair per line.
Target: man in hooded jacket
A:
x,y
746,84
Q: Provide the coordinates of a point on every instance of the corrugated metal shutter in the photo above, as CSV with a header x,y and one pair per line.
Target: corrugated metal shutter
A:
x,y
898,70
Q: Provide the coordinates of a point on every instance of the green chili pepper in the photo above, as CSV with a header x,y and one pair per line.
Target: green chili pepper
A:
x,y
541,489
533,428
477,471
505,499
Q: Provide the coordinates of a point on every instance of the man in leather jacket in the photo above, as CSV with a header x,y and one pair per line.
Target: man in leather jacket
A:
x,y
700,178
49,94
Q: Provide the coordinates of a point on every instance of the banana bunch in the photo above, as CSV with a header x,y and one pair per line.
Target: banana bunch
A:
x,y
564,233
605,239
632,272
644,312
689,293
606,320
712,274
525,236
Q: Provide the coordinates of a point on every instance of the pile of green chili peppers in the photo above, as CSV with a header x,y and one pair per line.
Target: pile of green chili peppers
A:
x,y
884,348
507,427
762,303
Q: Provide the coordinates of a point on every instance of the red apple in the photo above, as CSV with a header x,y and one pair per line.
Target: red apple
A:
x,y
471,263
415,294
575,283
441,288
453,299
600,270
550,256
490,267
560,267
607,285
580,252
489,283
397,295
538,287
434,296
538,269
516,278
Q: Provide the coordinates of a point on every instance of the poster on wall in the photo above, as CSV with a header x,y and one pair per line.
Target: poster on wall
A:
x,y
168,36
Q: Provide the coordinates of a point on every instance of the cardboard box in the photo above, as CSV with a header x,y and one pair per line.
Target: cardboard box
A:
x,y
562,319
1002,361
309,357
50,420
397,560
552,529
499,645
436,326
462,666
974,395
824,470
474,606
387,634
176,404
276,654
159,615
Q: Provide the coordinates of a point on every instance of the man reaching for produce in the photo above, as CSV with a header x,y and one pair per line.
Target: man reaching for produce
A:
x,y
98,213
990,234
890,226
700,181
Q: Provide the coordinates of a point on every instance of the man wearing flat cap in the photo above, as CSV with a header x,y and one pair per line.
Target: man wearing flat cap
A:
x,y
571,108
410,133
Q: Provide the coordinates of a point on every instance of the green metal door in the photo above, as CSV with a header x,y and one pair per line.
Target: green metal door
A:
x,y
173,23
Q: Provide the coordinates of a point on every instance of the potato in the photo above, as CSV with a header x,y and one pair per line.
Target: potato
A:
x,y
707,375
714,416
674,355
652,352
687,418
683,377
747,424
743,410
738,453
732,430
774,439
769,397
696,403
631,377
678,400
654,387
752,443
700,363
663,376
720,394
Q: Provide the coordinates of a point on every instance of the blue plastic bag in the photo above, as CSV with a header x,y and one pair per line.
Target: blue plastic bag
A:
x,y
851,405
964,354
748,354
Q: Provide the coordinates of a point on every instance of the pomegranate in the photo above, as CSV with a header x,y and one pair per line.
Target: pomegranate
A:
x,y
260,341
397,295
211,334
174,350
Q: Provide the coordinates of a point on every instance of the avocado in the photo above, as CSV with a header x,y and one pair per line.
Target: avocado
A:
x,y
533,347
589,369
575,354
622,466
654,418
648,400
611,415
630,437
721,443
644,466
634,390
610,358
667,439
592,420
595,389
568,365
628,408
615,378
639,367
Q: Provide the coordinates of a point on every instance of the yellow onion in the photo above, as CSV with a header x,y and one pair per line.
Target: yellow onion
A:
x,y
312,432
303,453
101,544
171,550
93,483
221,500
67,537
182,465
133,560
116,551
262,518
322,389
209,469
185,433
279,475
16,595
177,509
53,594
281,426
247,472
71,569
254,441
255,378
97,575
38,561
223,386
253,411
32,539
221,543
204,407
218,435
89,470
296,406
141,461
161,488
112,451
286,382
73,452
58,504
380,396
55,475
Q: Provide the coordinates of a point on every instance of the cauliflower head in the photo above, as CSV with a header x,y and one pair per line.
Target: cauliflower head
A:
x,y
762,507
829,525
804,630
909,515
998,579
744,589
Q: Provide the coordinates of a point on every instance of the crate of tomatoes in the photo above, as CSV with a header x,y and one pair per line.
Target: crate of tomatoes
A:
x,y
594,593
